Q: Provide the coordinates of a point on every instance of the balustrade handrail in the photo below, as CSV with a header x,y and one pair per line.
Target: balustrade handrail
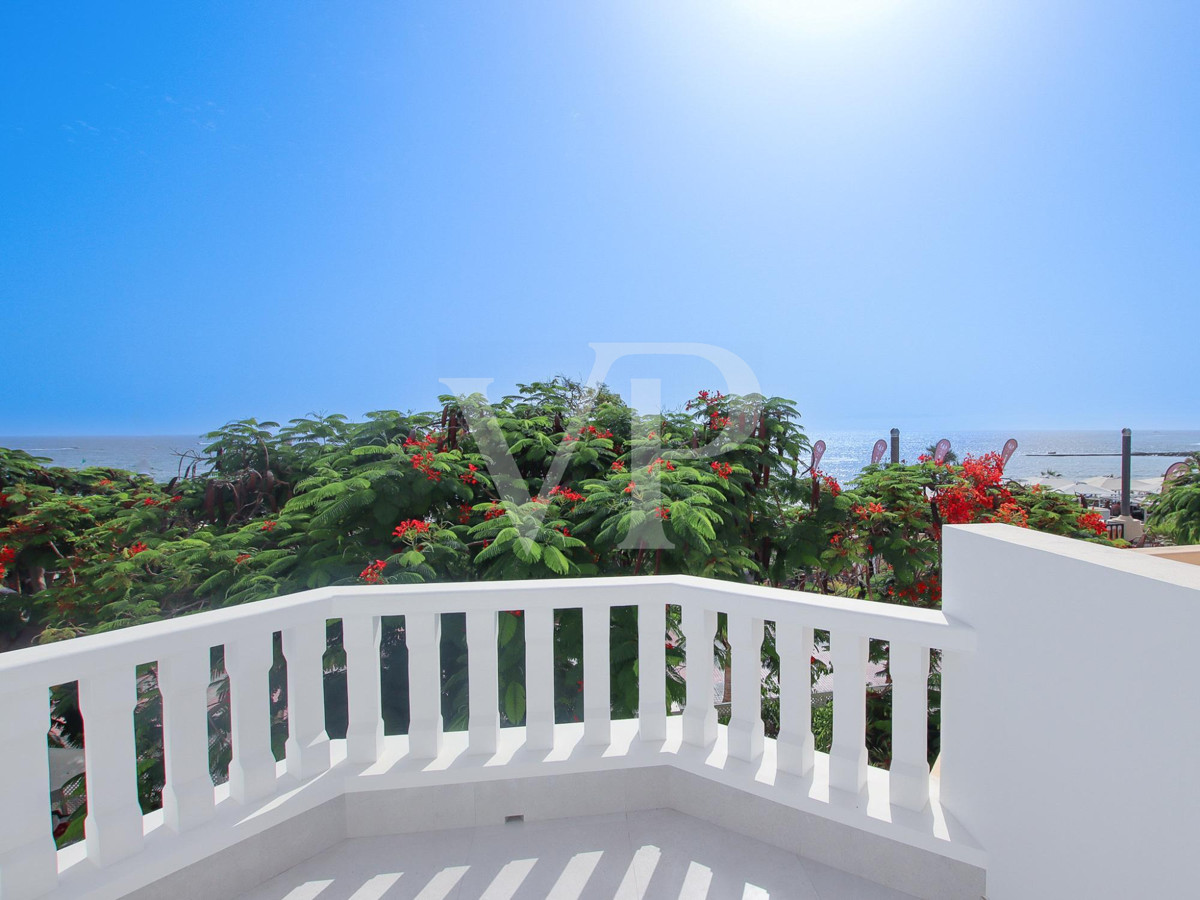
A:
x,y
65,661
103,666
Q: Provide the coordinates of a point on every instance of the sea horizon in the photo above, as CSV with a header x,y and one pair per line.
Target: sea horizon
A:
x,y
847,450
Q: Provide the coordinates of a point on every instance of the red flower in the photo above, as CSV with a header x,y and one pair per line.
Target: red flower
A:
x,y
177,498
662,512
618,466
7,554
241,558
373,573
628,488
137,548
416,526
495,512
464,513
268,525
423,462
149,501
722,469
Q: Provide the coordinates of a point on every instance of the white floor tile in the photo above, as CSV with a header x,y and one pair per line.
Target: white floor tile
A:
x,y
649,855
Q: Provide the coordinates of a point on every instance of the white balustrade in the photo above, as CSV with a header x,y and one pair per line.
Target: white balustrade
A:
x,y
795,745
307,747
106,676
483,681
28,864
699,716
539,677
113,826
248,663
909,779
848,755
183,679
361,637
652,666
746,724
423,634
597,708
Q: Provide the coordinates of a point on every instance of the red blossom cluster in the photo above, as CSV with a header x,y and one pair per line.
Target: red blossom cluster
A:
x,y
177,498
137,548
662,512
7,555
1011,513
104,482
269,525
464,513
618,466
566,493
1094,522
628,488
495,511
664,463
865,512
964,501
416,526
373,574
592,431
241,558
468,477
149,501
423,463
722,469
418,441
925,592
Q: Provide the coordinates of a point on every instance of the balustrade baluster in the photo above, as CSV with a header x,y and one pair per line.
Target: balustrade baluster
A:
x,y
361,636
699,716
252,771
28,861
795,743
597,709
423,634
652,671
848,756
909,770
183,679
482,681
307,747
113,826
745,724
539,678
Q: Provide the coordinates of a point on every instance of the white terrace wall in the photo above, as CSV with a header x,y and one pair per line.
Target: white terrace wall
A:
x,y
1070,734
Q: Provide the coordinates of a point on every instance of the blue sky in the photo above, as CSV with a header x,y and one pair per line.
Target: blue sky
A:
x,y
924,214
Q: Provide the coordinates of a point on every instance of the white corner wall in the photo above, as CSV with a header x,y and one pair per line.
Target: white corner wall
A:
x,y
1069,737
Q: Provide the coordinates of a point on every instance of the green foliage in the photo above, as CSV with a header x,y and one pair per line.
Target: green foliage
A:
x,y
1176,513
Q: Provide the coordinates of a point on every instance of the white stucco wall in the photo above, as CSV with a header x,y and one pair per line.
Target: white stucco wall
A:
x,y
1070,735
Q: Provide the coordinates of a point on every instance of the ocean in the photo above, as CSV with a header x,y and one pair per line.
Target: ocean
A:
x,y
846,451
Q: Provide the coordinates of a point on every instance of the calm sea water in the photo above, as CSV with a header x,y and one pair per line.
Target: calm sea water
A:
x,y
846,451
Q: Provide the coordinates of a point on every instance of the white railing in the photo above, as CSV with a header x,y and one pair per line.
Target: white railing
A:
x,y
104,667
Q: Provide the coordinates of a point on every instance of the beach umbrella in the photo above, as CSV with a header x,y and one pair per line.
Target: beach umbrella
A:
x,y
1054,482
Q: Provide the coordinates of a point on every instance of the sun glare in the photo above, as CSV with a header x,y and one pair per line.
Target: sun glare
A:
x,y
822,16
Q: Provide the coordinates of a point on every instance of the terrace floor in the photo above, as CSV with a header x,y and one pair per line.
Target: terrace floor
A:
x,y
651,855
